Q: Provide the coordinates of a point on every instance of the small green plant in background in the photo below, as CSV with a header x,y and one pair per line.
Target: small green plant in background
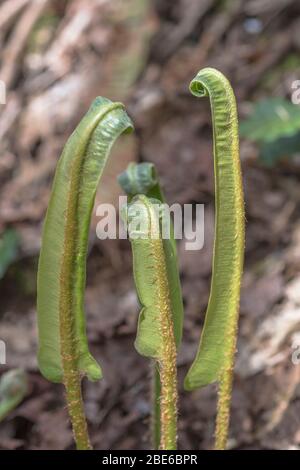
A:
x,y
9,244
63,348
13,389
274,124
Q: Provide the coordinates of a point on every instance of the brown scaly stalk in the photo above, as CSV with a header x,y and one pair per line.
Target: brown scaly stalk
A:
x,y
167,363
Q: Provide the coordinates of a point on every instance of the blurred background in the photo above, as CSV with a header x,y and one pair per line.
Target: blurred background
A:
x,y
55,57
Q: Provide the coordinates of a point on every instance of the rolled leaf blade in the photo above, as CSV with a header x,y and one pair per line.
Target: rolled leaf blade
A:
x,y
62,263
218,340
140,179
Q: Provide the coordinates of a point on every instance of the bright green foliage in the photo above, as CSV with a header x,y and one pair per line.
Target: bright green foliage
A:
x,y
275,126
284,147
13,388
218,340
62,264
271,119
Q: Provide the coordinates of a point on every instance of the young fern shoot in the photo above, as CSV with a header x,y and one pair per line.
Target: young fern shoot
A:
x,y
155,335
158,286
142,178
63,348
214,361
13,388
